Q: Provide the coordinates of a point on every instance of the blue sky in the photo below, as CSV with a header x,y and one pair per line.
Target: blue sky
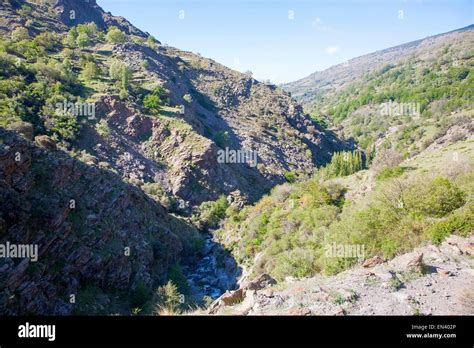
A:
x,y
284,40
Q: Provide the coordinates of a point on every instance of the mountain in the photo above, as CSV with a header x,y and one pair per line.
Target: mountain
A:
x,y
208,108
152,180
338,76
409,112
132,133
411,95
99,239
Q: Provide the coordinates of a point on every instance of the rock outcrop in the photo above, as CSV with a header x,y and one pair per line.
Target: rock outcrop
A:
x,y
431,280
100,241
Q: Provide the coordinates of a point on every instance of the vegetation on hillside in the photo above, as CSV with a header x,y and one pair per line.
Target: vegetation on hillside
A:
x,y
426,95
291,228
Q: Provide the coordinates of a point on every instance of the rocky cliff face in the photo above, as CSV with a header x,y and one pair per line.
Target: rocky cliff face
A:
x,y
227,109
59,15
96,235
85,215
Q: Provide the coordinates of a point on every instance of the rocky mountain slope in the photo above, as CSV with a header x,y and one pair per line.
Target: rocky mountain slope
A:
x,y
431,280
99,239
116,191
405,97
178,147
340,76
116,134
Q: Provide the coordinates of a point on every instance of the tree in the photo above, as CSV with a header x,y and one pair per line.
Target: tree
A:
x,y
72,37
90,29
121,74
118,70
47,41
90,71
152,102
83,40
115,36
345,163
150,40
20,34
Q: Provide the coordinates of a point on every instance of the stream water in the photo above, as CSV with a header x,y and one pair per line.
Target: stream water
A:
x,y
214,273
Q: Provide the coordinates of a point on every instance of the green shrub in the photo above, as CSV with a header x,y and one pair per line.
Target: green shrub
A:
x,y
211,213
389,173
461,224
116,36
25,10
152,102
102,128
63,125
156,99
19,34
168,298
290,177
188,98
436,199
221,138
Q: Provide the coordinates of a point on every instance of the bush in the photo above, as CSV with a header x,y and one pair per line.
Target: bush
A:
x,y
91,71
386,158
168,299
47,41
152,103
290,177
19,34
211,213
221,138
102,128
151,41
437,199
116,36
296,263
461,224
25,11
157,98
64,126
389,173
188,98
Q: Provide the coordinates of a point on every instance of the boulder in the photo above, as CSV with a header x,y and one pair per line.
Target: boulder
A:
x,y
232,297
373,261
45,142
416,262
24,128
261,282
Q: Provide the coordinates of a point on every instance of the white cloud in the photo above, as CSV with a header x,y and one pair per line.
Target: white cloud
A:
x,y
332,50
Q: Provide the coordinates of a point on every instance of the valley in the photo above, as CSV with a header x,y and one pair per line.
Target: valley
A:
x,y
155,181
